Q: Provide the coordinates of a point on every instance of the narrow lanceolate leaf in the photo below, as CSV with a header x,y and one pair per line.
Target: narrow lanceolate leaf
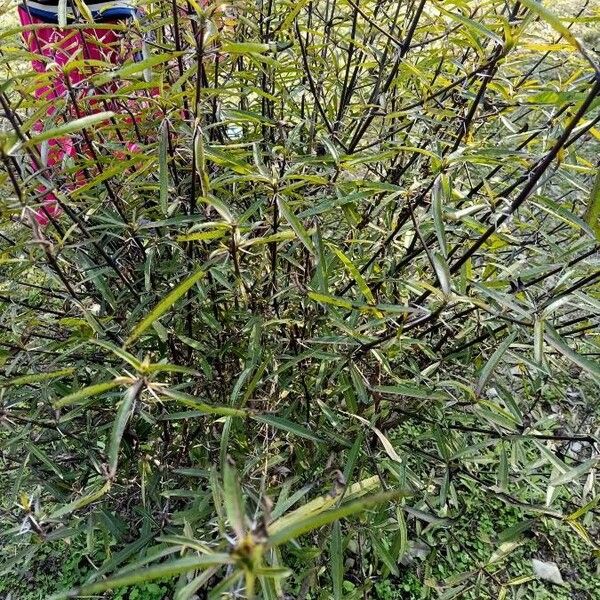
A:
x,y
549,17
92,390
220,207
273,572
584,509
203,236
164,305
336,552
592,212
84,10
492,363
538,340
188,592
233,499
332,300
383,553
195,404
442,271
163,166
575,472
62,13
126,407
36,377
289,18
122,354
286,425
295,224
410,390
168,368
552,337
304,524
385,442
355,274
200,157
80,503
402,532
132,68
471,24
322,503
164,570
438,195
68,128
43,457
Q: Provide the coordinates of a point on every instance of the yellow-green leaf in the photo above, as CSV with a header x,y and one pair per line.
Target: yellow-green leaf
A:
x,y
592,212
36,377
295,223
92,390
164,305
355,274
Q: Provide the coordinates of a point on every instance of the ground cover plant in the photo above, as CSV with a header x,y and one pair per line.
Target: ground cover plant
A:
x,y
328,328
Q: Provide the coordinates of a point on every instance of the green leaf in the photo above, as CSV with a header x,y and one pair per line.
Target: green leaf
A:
x,y
336,553
410,390
492,363
36,377
168,368
245,48
442,272
135,67
273,572
289,426
295,224
42,456
538,340
383,554
84,10
355,274
163,166
438,195
592,211
385,442
575,473
203,236
164,305
471,24
203,407
332,300
291,16
122,354
549,17
126,407
402,532
297,527
80,503
189,590
68,128
552,337
162,571
233,499
504,550
221,208
92,390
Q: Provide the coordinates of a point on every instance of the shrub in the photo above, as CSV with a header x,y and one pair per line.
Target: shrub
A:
x,y
345,287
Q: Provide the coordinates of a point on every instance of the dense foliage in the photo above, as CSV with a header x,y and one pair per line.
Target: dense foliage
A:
x,y
330,329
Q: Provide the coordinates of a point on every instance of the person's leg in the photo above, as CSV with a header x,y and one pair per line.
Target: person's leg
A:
x,y
55,49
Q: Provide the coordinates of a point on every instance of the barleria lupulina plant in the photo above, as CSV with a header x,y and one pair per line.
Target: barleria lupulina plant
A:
x,y
350,247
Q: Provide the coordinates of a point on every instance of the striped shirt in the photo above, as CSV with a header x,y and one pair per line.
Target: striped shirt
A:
x,y
105,10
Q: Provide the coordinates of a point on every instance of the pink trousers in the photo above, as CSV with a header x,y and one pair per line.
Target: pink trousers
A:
x,y
56,48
